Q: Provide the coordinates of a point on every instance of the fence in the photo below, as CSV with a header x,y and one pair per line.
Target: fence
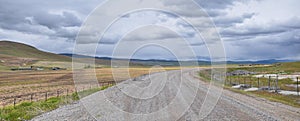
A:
x,y
38,96
13,100
270,84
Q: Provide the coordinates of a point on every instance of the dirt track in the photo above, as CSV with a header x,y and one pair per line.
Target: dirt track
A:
x,y
164,96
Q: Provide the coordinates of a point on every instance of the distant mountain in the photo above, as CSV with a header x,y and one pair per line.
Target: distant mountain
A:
x,y
165,62
18,54
270,61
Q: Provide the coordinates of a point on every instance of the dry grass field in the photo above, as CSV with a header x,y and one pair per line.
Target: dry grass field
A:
x,y
15,83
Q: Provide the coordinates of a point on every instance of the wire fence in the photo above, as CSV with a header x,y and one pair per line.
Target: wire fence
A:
x,y
270,84
39,96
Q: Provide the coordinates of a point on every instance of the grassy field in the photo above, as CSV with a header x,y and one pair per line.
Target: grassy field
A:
x,y
28,110
288,68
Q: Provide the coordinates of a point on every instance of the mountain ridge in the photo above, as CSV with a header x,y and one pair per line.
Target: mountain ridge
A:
x,y
264,61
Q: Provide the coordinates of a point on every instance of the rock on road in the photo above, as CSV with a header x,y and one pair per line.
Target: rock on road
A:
x,y
167,96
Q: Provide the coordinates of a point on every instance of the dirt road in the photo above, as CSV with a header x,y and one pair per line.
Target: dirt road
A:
x,y
172,95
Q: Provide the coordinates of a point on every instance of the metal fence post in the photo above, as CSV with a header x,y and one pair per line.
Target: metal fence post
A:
x,y
230,80
258,82
297,86
250,81
276,84
67,92
269,83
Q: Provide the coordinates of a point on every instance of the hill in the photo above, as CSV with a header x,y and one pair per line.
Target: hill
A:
x,y
18,54
13,54
14,49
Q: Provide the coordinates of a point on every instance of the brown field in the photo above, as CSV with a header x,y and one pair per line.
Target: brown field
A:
x,y
17,83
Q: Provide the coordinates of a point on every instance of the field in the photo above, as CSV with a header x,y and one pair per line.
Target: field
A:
x,y
16,83
282,69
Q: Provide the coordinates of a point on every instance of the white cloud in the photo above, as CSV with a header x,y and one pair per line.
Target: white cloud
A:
x,y
256,29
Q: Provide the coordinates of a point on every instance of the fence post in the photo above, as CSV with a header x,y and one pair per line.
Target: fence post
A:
x,y
230,80
67,92
46,96
269,83
258,82
57,93
276,83
31,97
297,87
250,81
15,101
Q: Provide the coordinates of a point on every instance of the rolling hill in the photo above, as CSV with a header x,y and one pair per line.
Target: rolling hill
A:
x,y
18,54
13,54
14,49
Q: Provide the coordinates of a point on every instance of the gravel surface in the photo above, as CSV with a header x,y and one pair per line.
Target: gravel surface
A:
x,y
167,96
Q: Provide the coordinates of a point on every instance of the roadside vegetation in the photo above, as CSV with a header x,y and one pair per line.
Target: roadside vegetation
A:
x,y
283,68
28,110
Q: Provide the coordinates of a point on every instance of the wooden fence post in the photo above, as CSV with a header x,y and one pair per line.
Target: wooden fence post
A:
x,y
31,97
15,101
67,92
57,93
46,96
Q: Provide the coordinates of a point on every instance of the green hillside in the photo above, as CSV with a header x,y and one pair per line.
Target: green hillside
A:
x,y
13,49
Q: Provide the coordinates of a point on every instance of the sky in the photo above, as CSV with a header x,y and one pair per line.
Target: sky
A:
x,y
248,30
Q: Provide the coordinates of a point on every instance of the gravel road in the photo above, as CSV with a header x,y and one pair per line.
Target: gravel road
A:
x,y
167,96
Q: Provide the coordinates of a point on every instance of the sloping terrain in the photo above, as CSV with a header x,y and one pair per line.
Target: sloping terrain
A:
x,y
17,54
14,49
